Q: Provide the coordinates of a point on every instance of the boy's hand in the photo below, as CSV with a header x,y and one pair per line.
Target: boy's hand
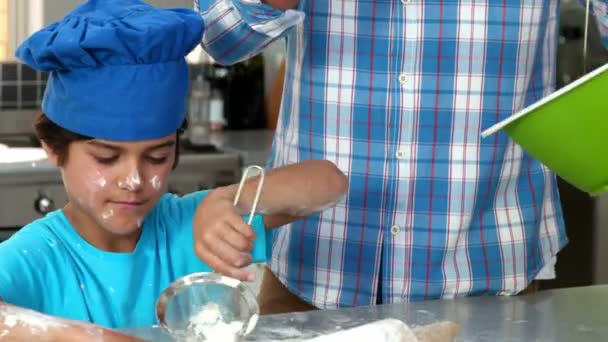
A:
x,y
222,239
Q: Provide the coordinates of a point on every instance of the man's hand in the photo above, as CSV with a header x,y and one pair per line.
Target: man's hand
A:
x,y
281,4
222,239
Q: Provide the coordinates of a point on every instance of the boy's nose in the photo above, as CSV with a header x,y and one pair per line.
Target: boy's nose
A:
x,y
132,181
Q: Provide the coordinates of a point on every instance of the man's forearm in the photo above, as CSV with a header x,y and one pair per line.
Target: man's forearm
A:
x,y
599,8
282,4
236,29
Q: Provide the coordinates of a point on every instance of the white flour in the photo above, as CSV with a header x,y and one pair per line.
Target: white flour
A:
x,y
386,330
209,325
38,325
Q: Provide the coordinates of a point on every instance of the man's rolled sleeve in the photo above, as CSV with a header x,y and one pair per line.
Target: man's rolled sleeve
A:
x,y
238,29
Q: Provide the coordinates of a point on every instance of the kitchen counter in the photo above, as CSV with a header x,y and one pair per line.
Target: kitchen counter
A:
x,y
253,146
27,178
574,314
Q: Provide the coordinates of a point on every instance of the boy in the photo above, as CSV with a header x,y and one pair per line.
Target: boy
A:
x,y
113,107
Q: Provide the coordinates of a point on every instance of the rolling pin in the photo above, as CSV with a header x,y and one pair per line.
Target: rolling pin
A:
x,y
394,330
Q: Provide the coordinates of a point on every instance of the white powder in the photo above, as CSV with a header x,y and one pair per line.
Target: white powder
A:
x,y
209,325
132,182
387,330
106,214
100,182
36,322
155,182
10,321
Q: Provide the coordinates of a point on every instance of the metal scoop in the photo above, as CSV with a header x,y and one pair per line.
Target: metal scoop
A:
x,y
182,304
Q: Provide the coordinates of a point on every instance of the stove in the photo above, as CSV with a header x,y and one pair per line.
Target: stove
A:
x,y
32,187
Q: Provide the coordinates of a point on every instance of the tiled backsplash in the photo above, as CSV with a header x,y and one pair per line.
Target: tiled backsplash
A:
x,y
21,87
241,87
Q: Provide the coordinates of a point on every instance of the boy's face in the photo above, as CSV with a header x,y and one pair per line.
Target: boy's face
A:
x,y
116,184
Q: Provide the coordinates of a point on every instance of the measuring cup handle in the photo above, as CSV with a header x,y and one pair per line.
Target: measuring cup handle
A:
x,y
258,253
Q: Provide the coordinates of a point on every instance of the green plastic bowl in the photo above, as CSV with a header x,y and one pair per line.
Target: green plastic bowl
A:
x,y
568,131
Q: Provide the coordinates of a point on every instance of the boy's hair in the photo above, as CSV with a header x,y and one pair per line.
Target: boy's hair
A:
x,y
59,138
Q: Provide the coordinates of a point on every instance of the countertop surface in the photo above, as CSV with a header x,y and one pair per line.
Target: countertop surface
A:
x,y
575,314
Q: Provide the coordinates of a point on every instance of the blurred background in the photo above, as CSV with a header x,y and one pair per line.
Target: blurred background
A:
x,y
232,114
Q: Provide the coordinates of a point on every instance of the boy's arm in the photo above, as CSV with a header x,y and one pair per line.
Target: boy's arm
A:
x,y
18,324
290,192
224,241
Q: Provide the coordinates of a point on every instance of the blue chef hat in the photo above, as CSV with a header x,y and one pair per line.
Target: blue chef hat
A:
x,y
117,68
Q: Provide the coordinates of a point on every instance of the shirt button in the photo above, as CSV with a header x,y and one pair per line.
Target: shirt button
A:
x,y
395,230
402,78
400,154
405,2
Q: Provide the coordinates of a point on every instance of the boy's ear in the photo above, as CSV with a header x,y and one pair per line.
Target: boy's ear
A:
x,y
50,153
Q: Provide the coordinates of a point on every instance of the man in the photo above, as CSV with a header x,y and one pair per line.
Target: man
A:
x,y
396,93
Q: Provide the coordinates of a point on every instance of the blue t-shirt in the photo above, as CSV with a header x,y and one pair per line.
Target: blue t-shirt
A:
x,y
48,267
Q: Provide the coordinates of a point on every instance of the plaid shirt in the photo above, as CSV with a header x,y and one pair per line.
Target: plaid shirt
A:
x,y
396,93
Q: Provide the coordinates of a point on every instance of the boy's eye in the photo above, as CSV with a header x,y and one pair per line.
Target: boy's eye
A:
x,y
157,160
106,160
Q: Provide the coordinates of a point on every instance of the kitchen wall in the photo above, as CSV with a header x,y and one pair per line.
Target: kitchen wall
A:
x,y
21,87
4,44
56,9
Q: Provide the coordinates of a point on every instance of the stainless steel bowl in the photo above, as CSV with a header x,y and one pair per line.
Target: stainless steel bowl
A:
x,y
187,296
